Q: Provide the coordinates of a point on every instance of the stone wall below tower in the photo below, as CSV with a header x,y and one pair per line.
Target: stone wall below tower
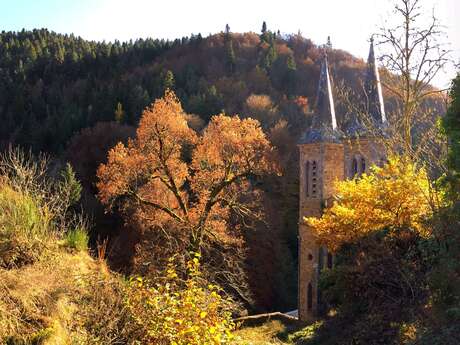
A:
x,y
328,162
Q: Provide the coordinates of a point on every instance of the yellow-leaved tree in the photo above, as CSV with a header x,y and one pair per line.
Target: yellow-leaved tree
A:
x,y
397,195
176,312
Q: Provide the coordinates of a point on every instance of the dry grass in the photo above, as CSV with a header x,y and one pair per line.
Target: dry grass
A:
x,y
69,299
266,334
24,228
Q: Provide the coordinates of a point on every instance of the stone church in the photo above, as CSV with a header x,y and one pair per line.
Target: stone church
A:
x,y
328,153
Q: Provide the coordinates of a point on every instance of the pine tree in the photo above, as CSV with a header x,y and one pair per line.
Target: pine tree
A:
x,y
229,51
451,126
290,63
119,113
291,76
329,43
264,28
70,186
266,36
168,80
269,58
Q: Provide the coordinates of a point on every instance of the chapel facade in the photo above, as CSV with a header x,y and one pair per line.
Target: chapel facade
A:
x,y
328,153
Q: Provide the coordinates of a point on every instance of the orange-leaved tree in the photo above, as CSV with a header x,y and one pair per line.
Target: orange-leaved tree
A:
x,y
181,183
397,195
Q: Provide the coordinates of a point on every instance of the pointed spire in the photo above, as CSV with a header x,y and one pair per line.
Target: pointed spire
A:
x,y
324,127
325,110
375,107
373,89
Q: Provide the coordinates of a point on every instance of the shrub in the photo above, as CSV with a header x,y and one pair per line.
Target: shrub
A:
x,y
24,228
77,239
172,313
35,208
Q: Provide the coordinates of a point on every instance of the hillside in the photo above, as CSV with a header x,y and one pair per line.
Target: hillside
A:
x,y
53,85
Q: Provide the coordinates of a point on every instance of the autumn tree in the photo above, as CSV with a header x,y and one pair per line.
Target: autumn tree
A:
x,y
182,185
261,108
380,232
390,197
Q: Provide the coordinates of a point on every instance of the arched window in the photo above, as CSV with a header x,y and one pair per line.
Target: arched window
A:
x,y
313,178
307,179
320,258
329,260
354,167
363,165
310,297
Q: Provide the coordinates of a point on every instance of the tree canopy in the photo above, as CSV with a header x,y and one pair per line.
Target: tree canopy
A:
x,y
391,197
177,179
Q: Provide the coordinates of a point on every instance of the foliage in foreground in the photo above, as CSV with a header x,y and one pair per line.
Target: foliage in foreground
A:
x,y
180,313
392,270
68,297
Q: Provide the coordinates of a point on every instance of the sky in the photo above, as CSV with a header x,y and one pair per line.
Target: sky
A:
x,y
349,23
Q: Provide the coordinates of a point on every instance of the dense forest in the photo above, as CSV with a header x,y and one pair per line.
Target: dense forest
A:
x,y
54,85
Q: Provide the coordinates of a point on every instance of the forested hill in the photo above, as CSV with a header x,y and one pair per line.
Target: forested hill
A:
x,y
53,85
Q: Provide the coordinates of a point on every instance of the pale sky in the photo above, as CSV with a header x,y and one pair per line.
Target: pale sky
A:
x,y
349,22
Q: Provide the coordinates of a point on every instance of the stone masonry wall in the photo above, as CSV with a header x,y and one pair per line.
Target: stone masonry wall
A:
x,y
329,164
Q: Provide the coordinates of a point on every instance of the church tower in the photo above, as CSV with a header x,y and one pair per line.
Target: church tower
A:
x,y
321,163
327,155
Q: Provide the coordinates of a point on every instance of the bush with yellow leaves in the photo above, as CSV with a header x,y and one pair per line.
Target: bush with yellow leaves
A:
x,y
395,196
177,312
380,228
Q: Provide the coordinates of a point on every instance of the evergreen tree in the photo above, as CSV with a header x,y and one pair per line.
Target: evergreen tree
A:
x,y
451,126
269,58
291,69
230,58
329,43
119,113
168,80
264,28
265,35
290,63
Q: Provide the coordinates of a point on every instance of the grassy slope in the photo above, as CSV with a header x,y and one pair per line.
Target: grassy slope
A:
x,y
266,334
277,332
57,301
